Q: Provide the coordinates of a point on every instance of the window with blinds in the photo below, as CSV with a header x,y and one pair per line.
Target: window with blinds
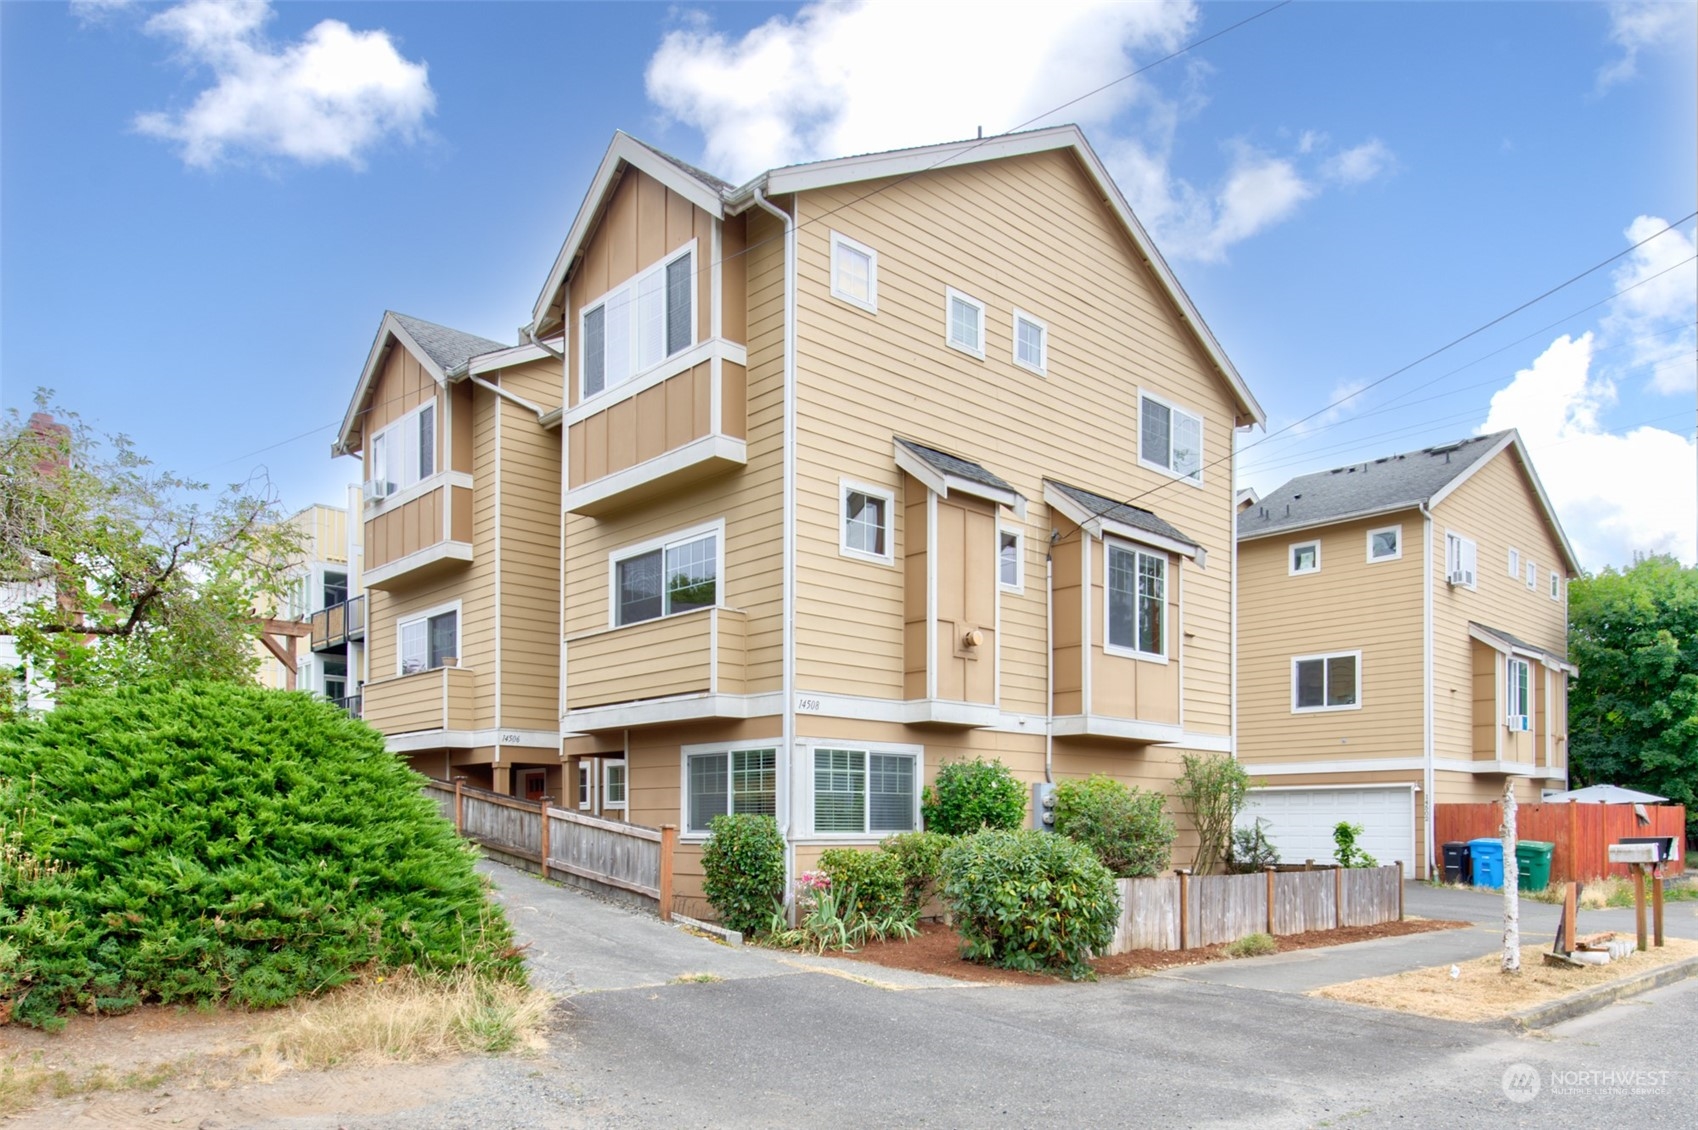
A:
x,y
859,792
635,327
734,781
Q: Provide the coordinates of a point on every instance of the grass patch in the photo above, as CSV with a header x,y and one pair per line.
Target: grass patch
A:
x,y
696,978
1253,945
23,1083
408,1018
1614,891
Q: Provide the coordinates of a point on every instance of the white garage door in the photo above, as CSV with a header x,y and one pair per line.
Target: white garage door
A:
x,y
1300,821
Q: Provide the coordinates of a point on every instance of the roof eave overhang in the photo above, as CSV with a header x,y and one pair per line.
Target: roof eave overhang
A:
x,y
1498,643
1097,525
1353,516
1513,439
389,331
942,484
624,150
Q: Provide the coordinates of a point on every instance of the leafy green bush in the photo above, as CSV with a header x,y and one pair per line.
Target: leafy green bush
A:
x,y
1251,849
1212,790
743,870
1253,945
874,876
919,857
971,795
830,917
215,841
1126,828
1346,851
1030,900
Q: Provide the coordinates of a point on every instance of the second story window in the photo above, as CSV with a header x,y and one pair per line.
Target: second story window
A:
x,y
866,522
1305,558
1520,694
1031,343
854,272
429,641
335,588
1008,559
1460,557
1137,602
1556,585
966,317
1170,438
667,579
635,327
1385,544
404,453
1325,682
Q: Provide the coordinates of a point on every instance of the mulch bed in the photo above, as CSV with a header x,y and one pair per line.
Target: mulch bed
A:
x,y
938,950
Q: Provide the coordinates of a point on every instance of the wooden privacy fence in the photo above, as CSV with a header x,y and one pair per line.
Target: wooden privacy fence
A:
x,y
629,857
1582,833
1181,911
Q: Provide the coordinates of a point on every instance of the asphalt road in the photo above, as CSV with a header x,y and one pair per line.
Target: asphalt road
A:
x,y
776,1043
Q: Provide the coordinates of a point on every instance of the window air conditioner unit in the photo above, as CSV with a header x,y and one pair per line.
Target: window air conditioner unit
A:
x,y
375,490
1460,577
1520,723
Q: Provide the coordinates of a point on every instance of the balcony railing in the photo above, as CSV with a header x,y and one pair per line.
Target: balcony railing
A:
x,y
351,704
696,653
439,699
334,626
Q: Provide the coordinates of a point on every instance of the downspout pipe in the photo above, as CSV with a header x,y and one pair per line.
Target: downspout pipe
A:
x,y
788,636
1049,663
1427,775
509,397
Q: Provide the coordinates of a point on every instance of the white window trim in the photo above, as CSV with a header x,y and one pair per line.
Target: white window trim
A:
x,y
1291,569
1019,585
586,784
950,294
1515,562
1509,694
1202,445
1556,585
607,764
1166,600
614,557
1323,657
631,284
709,749
838,239
411,420
1398,556
1532,576
406,618
1462,540
844,486
1042,367
805,765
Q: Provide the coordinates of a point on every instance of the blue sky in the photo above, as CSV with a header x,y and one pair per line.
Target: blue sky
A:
x,y
206,207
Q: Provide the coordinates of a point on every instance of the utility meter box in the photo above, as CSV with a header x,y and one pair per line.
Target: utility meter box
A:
x,y
1043,806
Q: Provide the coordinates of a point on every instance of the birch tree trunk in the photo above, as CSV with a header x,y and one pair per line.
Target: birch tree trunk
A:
x,y
1511,884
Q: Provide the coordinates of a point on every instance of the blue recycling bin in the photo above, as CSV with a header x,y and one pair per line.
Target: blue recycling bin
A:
x,y
1488,862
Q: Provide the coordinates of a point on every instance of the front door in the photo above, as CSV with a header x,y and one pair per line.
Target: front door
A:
x,y
533,784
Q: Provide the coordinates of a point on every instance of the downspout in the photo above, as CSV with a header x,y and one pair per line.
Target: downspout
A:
x,y
788,636
1049,661
1427,681
531,337
508,396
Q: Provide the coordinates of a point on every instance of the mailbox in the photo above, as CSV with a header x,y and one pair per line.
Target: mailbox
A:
x,y
1633,853
1663,844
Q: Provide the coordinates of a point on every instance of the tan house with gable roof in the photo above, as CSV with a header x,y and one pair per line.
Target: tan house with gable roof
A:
x,y
864,466
1402,642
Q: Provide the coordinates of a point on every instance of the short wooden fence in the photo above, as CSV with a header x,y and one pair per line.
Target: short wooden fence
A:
x,y
1183,911
1582,833
628,857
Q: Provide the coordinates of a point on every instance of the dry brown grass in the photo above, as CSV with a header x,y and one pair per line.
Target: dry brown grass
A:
x,y
1484,992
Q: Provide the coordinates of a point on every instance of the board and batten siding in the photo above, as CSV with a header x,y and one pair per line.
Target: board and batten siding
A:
x,y
1031,233
1350,604
1498,509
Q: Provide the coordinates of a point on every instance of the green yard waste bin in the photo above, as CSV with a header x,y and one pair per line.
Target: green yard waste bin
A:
x,y
1533,864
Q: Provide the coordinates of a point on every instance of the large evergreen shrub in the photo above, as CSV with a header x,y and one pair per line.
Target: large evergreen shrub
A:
x,y
1030,900
213,841
971,795
1125,827
743,870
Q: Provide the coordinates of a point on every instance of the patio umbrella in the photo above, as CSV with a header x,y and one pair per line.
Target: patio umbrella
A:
x,y
1605,794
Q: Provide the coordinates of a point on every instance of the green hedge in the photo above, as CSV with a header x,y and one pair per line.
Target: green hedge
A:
x,y
971,795
1126,828
743,870
202,842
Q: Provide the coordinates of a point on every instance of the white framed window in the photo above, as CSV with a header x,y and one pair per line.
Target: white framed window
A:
x,y
1326,682
1519,689
1556,585
1532,576
1305,558
613,783
861,791
586,784
404,453
854,272
1515,562
1170,439
636,326
866,530
964,318
1460,560
427,640
667,576
721,781
1135,612
1031,343
1010,559
1385,543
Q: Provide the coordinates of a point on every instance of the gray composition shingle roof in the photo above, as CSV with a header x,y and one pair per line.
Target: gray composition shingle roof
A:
x,y
949,464
1134,516
449,348
1510,641
707,178
1392,483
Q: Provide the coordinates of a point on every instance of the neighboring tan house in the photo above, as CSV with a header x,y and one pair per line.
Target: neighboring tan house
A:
x,y
878,463
1402,642
324,593
461,508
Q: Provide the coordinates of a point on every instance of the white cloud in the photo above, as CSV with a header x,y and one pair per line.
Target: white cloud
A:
x,y
1359,164
330,97
92,12
1614,493
1653,322
1638,25
841,79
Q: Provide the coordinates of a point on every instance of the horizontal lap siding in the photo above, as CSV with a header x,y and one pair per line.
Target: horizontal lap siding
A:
x,y
530,551
1497,508
1349,605
1028,232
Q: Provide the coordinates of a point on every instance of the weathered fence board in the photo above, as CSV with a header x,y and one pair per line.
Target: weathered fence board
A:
x,y
1370,895
1149,915
1303,901
1224,908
